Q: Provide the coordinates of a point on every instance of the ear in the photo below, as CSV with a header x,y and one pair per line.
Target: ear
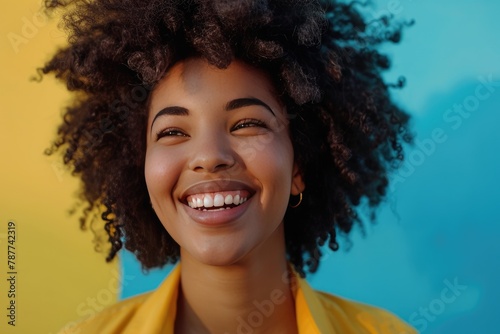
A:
x,y
298,185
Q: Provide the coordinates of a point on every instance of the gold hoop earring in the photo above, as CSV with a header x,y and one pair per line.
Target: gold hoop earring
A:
x,y
296,205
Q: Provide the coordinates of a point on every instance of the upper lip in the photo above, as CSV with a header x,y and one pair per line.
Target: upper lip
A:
x,y
213,186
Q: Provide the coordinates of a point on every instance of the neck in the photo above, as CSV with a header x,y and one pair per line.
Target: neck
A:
x,y
250,296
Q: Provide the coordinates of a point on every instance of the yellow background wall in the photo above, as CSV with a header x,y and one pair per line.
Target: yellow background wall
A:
x,y
60,278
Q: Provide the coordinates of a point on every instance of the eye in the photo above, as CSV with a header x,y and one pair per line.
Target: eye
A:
x,y
170,132
249,123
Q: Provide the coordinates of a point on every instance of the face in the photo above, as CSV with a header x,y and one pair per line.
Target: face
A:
x,y
219,161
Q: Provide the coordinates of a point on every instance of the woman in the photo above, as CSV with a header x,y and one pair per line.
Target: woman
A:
x,y
235,137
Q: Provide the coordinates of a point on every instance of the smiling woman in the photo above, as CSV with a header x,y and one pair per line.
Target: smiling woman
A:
x,y
209,142
264,126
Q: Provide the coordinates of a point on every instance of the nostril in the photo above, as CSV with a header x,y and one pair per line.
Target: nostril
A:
x,y
217,168
224,166
214,166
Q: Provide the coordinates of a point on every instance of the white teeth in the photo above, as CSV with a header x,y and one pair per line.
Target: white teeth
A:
x,y
208,201
204,201
218,200
219,209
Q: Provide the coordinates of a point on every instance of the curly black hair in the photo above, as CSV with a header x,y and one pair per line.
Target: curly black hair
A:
x,y
322,57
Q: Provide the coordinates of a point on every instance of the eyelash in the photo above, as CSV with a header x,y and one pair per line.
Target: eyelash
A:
x,y
244,123
169,132
249,122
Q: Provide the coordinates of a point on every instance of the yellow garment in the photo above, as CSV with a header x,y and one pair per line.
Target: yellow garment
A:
x,y
316,313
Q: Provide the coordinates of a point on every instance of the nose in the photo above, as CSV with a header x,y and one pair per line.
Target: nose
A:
x,y
212,152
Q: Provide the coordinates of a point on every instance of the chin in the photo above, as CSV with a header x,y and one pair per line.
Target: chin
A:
x,y
218,254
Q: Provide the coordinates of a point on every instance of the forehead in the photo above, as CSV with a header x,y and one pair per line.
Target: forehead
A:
x,y
195,78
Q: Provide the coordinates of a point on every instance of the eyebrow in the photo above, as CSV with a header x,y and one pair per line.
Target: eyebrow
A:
x,y
231,105
173,111
245,102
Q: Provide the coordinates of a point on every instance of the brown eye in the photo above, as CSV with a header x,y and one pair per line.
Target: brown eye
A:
x,y
170,132
249,122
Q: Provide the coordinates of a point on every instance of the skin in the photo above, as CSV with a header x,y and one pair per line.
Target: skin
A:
x,y
213,130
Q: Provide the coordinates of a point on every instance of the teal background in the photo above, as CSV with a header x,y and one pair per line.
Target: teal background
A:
x,y
440,224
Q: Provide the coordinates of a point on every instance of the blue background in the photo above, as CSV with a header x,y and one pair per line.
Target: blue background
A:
x,y
440,224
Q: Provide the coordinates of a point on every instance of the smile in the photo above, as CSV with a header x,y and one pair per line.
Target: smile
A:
x,y
217,207
218,200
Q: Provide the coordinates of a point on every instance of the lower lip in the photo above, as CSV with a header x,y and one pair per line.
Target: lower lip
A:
x,y
219,217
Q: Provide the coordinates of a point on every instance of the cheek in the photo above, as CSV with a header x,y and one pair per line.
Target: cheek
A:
x,y
271,161
278,153
159,172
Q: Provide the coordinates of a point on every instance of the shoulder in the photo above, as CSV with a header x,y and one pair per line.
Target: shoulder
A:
x,y
321,312
109,320
361,318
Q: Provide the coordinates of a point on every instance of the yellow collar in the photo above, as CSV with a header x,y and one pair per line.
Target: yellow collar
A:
x,y
157,313
316,313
